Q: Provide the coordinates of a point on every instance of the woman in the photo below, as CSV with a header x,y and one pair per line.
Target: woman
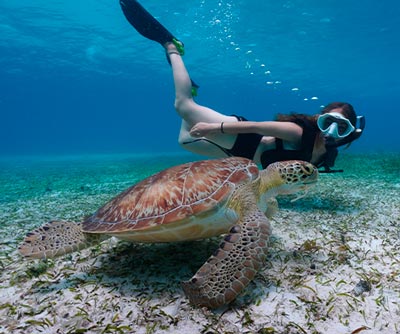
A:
x,y
207,132
294,136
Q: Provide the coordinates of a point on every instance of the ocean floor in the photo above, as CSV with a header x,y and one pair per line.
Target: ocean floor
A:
x,y
333,268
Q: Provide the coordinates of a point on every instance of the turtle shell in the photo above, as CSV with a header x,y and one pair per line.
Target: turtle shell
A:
x,y
172,196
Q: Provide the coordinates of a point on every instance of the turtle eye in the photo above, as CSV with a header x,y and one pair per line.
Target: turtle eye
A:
x,y
307,169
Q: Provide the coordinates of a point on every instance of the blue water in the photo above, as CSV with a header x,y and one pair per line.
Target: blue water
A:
x,y
85,100
76,78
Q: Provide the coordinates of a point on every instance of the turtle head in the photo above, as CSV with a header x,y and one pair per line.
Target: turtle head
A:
x,y
288,177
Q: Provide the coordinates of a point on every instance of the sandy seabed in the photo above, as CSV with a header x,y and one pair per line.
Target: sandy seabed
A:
x,y
333,267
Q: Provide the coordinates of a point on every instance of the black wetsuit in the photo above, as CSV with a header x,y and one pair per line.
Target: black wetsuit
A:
x,y
246,145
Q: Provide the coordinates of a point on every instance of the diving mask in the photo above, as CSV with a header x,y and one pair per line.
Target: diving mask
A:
x,y
335,125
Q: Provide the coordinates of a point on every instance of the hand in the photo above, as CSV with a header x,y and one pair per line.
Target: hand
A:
x,y
202,129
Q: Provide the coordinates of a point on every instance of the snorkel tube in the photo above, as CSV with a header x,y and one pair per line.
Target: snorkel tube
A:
x,y
332,147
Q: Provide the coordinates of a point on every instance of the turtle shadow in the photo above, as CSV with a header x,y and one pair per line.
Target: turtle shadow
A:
x,y
157,261
136,271
150,271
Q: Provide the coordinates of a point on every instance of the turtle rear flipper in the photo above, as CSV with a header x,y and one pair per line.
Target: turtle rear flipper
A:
x,y
239,257
56,238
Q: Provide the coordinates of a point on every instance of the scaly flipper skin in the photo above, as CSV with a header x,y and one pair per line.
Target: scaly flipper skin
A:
x,y
56,238
239,257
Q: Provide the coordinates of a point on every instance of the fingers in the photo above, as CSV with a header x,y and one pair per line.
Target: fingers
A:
x,y
198,130
195,133
203,129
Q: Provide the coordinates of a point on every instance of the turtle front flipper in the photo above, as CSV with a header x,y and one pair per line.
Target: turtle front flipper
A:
x,y
231,268
56,238
272,207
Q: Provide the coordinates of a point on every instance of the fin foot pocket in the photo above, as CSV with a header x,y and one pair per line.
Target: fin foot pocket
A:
x,y
146,25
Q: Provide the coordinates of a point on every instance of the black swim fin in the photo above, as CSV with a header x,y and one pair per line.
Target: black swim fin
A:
x,y
145,23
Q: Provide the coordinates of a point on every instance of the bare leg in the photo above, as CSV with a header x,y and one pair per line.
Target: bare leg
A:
x,y
192,113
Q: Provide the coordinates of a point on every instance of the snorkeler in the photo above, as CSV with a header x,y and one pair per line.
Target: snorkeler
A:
x,y
207,132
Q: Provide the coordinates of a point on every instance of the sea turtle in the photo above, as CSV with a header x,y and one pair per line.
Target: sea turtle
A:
x,y
186,202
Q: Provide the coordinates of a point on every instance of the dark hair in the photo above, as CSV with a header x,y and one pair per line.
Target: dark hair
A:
x,y
347,110
293,117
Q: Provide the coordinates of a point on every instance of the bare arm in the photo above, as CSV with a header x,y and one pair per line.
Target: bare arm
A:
x,y
285,130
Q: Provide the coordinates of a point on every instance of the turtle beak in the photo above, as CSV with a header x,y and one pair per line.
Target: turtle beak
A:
x,y
311,182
